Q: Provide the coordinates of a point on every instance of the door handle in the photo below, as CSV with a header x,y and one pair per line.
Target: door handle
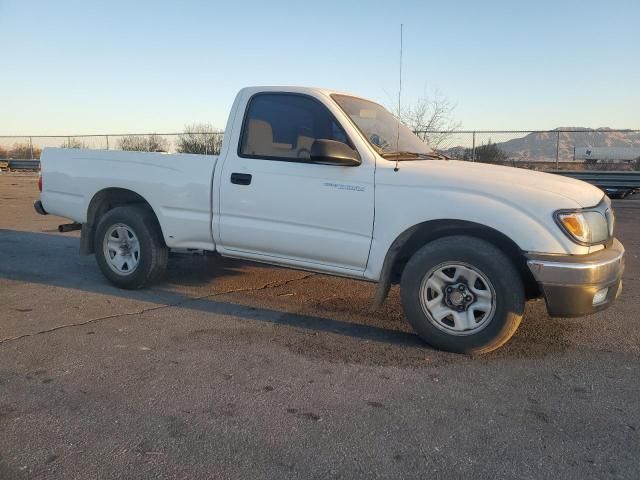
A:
x,y
241,178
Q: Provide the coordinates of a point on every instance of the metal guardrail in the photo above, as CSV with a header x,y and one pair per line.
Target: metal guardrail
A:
x,y
23,164
604,179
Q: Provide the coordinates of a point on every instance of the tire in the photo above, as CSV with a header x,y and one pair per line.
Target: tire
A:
x,y
493,305
147,254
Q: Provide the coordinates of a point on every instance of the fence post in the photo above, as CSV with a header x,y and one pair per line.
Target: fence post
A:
x,y
557,150
68,142
107,139
31,147
473,147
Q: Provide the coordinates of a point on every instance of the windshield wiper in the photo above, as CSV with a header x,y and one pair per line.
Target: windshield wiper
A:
x,y
404,155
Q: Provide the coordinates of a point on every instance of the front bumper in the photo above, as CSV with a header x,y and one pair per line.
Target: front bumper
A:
x,y
569,283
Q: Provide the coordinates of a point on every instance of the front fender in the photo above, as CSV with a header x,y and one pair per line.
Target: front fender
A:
x,y
529,225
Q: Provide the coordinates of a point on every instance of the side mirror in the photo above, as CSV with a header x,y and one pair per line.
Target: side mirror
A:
x,y
330,152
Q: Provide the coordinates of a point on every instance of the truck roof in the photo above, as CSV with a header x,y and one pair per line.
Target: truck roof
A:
x,y
294,89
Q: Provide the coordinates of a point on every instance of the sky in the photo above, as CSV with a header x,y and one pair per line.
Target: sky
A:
x,y
98,67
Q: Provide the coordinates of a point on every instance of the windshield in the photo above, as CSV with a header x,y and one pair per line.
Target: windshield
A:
x,y
381,127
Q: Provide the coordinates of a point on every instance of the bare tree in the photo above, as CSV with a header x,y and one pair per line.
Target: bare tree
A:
x,y
144,143
21,151
200,138
156,143
133,143
73,143
432,119
489,153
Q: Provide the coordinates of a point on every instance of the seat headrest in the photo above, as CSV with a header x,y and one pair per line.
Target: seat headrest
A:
x,y
259,137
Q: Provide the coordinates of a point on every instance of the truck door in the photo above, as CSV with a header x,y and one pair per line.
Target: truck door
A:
x,y
276,204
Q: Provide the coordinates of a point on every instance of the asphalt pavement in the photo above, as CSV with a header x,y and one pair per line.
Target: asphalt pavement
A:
x,y
229,369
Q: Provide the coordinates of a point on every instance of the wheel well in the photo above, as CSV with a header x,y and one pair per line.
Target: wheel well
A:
x,y
416,237
101,203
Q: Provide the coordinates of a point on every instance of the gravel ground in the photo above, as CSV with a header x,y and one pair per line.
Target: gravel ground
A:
x,y
229,369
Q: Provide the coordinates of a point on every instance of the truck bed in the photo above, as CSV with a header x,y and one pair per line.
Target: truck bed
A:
x,y
177,185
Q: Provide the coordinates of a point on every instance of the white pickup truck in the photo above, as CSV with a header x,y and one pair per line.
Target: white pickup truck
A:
x,y
322,181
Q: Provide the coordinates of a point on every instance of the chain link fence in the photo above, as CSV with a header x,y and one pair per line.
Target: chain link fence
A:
x,y
30,147
562,149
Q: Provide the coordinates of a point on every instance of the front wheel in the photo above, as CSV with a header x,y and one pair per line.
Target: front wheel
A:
x,y
129,246
462,294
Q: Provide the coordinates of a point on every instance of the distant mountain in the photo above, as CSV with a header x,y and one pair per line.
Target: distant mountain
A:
x,y
541,146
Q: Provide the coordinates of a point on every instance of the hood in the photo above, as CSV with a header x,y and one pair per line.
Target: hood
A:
x,y
503,180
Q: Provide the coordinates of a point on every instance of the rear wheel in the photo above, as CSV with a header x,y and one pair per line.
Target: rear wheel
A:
x,y
462,294
129,246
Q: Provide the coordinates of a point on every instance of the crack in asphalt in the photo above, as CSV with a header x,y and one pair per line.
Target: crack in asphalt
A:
x,y
274,284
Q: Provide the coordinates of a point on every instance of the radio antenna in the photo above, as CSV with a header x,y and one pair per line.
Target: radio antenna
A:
x,y
399,104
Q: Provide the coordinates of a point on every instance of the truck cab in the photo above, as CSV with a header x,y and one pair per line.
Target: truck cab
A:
x,y
330,182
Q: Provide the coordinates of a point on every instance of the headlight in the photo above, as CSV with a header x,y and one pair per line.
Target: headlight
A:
x,y
585,227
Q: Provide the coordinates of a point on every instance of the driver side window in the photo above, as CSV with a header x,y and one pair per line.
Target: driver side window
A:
x,y
280,126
